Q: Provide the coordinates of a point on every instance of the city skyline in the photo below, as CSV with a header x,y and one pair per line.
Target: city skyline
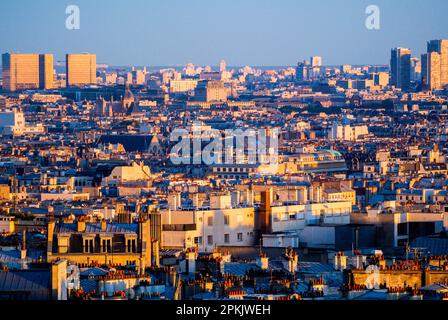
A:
x,y
245,154
158,34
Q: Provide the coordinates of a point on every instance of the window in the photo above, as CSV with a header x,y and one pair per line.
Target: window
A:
x,y
240,237
88,246
210,240
210,221
227,238
402,229
106,245
131,246
198,240
63,244
226,220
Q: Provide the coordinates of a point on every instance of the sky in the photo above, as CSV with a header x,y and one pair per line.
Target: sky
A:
x,y
243,32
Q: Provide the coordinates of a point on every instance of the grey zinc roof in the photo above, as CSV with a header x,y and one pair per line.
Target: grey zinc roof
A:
x,y
24,280
436,246
88,285
96,228
93,272
12,258
315,267
239,269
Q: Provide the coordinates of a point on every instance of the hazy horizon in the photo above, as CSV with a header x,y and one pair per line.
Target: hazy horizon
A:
x,y
257,33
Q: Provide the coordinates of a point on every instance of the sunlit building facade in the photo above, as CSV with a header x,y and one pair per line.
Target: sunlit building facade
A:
x,y
27,71
435,65
81,69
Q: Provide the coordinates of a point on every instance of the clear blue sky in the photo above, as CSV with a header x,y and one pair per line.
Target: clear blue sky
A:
x,y
253,32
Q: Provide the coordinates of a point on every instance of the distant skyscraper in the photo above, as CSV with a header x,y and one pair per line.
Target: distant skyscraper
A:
x,y
316,61
435,65
400,66
346,68
431,77
316,67
190,70
302,71
222,66
81,69
381,79
416,69
27,71
46,71
138,77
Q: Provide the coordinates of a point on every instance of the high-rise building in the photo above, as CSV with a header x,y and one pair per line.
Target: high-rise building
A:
x,y
431,77
400,65
185,85
190,70
211,91
381,79
302,71
435,65
416,69
46,71
27,71
81,69
138,77
346,68
222,66
316,67
316,61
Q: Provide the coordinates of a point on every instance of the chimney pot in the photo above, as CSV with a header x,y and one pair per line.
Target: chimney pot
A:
x,y
80,225
103,225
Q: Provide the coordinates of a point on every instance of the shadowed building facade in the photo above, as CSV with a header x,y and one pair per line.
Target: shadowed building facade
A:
x,y
400,65
103,243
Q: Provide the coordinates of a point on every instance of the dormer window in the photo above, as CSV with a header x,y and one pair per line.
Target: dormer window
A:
x,y
88,244
131,245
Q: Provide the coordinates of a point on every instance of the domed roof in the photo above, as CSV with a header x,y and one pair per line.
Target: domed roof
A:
x,y
332,152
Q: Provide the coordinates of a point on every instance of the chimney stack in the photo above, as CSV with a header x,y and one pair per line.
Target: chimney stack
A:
x,y
80,225
155,254
263,262
340,261
191,261
103,225
23,247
